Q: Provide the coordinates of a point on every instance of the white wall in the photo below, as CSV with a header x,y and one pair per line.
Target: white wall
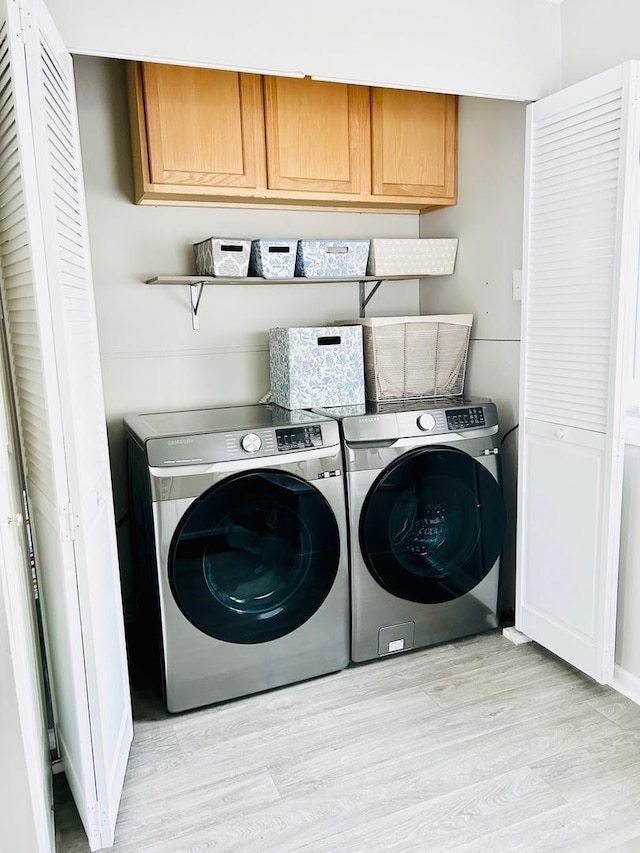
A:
x,y
495,48
596,35
488,222
151,358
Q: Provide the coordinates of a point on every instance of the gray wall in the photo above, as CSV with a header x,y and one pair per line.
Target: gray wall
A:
x,y
488,222
151,358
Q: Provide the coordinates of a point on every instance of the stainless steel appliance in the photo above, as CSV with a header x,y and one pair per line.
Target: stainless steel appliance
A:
x,y
240,535
426,521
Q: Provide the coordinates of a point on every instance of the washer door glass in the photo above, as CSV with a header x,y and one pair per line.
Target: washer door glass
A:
x,y
254,557
432,525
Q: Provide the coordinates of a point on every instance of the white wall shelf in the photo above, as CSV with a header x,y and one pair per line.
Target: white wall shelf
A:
x,y
197,282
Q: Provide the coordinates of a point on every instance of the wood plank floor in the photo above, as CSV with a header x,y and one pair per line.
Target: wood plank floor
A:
x,y
477,745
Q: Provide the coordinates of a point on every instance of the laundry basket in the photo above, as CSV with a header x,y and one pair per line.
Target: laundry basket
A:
x,y
413,357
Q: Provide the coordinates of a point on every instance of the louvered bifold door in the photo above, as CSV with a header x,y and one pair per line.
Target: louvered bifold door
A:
x,y
580,275
48,294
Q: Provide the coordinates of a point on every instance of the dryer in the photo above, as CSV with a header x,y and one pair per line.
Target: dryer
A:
x,y
426,521
240,540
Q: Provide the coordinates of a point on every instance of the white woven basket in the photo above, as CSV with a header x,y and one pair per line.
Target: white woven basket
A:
x,y
414,357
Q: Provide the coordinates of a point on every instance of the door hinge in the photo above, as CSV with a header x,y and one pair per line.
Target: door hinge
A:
x,y
25,19
69,523
608,662
94,816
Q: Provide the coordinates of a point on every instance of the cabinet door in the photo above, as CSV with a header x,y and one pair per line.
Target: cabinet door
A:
x,y
318,137
204,127
414,140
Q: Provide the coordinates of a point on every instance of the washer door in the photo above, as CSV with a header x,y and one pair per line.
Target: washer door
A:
x,y
254,557
432,525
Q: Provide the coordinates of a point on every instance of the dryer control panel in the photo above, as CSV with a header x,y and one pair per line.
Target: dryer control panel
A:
x,y
465,418
298,438
241,444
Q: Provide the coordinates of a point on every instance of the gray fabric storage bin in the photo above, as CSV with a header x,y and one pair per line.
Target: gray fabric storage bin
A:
x,y
222,256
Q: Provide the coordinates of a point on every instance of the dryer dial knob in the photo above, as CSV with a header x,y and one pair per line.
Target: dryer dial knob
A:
x,y
426,422
251,442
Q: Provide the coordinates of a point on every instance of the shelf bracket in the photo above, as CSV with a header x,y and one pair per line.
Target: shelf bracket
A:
x,y
364,299
196,295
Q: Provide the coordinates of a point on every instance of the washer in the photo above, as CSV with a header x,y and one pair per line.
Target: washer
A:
x,y
239,532
426,521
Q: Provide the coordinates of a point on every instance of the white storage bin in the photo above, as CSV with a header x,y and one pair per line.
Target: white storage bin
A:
x,y
316,366
222,256
332,258
424,256
273,258
415,357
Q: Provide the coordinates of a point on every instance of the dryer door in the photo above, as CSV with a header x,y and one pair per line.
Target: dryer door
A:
x,y
254,557
432,525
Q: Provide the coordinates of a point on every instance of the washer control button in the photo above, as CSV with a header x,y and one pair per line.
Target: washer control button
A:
x,y
426,422
251,442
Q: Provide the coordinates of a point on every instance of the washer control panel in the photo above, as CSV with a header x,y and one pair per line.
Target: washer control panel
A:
x,y
465,418
419,419
298,438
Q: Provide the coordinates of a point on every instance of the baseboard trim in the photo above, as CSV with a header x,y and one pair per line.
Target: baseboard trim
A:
x,y
626,683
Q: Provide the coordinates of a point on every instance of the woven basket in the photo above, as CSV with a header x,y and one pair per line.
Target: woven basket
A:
x,y
415,357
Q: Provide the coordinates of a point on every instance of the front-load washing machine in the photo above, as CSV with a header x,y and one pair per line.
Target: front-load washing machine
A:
x,y
239,532
426,521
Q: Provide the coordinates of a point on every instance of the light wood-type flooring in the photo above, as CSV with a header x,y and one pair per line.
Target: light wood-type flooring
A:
x,y
477,746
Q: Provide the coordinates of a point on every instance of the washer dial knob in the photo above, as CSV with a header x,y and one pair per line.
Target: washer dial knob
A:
x,y
426,422
251,442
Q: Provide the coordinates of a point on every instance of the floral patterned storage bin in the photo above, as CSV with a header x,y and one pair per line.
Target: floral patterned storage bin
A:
x,y
332,258
273,258
316,366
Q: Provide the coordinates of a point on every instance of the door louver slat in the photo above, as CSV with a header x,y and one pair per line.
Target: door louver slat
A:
x,y
567,318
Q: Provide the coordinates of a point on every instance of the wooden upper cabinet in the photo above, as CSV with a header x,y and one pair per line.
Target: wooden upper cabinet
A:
x,y
203,129
414,144
318,136
221,137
